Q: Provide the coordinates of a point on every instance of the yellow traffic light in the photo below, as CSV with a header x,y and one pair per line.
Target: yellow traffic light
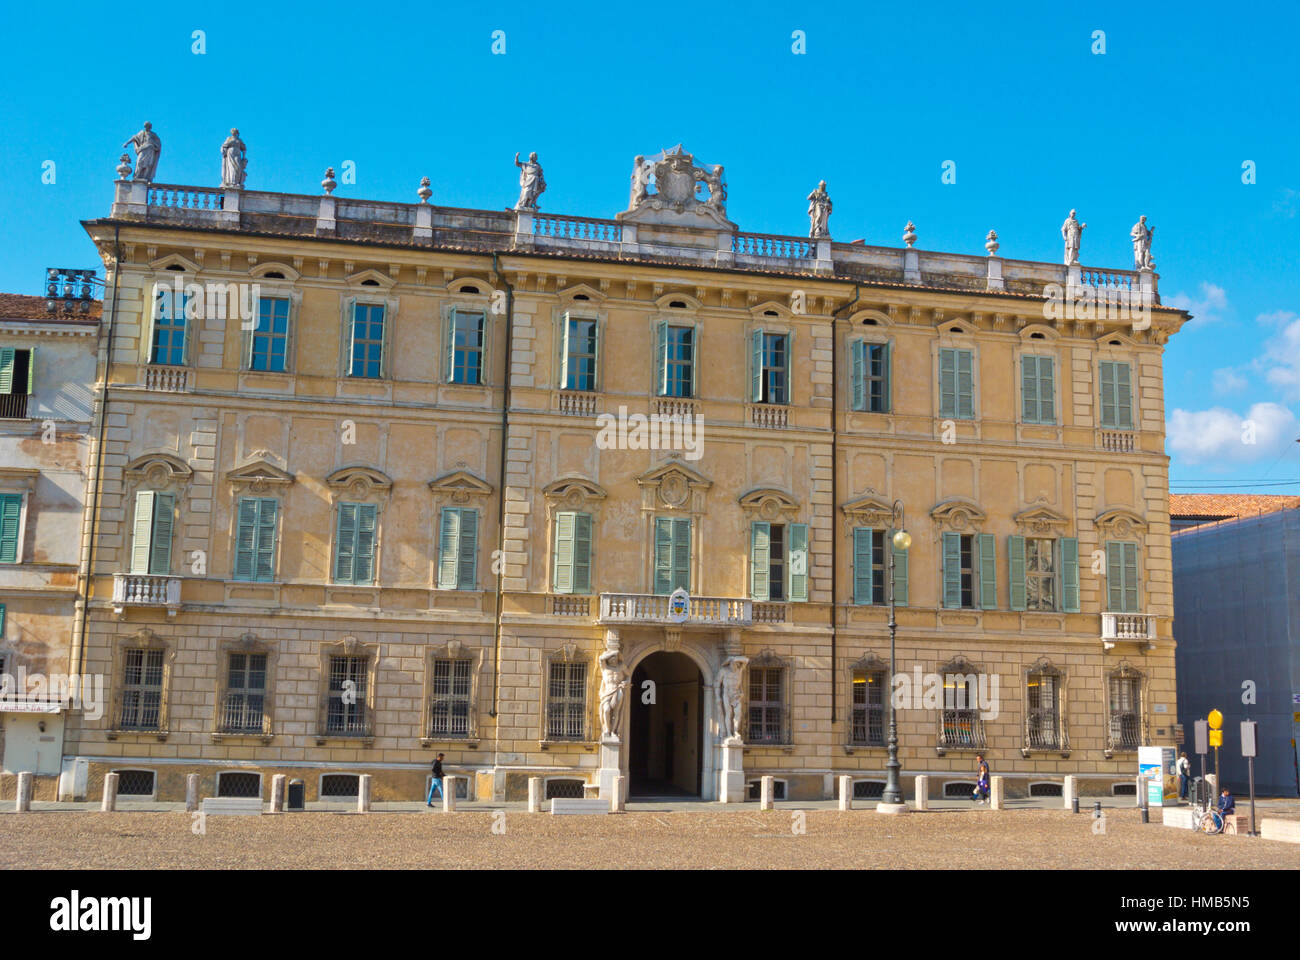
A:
x,y
1216,719
1216,738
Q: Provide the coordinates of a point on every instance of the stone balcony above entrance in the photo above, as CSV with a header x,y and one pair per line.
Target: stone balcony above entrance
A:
x,y
632,608
146,590
1129,627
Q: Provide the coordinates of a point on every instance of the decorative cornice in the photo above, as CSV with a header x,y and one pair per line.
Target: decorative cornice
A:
x,y
958,514
768,503
159,469
1120,523
460,486
259,476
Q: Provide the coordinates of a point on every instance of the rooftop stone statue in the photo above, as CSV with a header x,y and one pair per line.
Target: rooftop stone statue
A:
x,y
234,161
148,147
531,182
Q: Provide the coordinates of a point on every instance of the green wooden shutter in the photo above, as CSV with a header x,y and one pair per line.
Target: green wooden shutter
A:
x,y
1016,572
1115,570
345,540
31,369
988,572
886,365
859,349
6,369
582,553
900,572
1046,390
564,534
862,564
1108,394
760,544
565,323
1123,397
947,383
663,556
682,554
264,559
1029,390
143,533
448,547
695,358
1129,599
449,348
467,564
363,563
246,539
160,548
756,366
11,508
797,560
952,570
661,358
1070,574
965,385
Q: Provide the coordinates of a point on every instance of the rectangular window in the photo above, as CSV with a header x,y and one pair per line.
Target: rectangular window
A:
x,y
11,513
367,341
458,549
346,711
1125,712
255,538
871,375
269,344
151,549
354,543
869,566
579,371
1044,720
1116,395
168,328
1040,573
142,679
769,367
962,725
778,561
465,348
16,376
672,560
566,701
572,552
766,705
956,384
1037,390
1121,577
451,698
674,360
869,708
969,577
242,708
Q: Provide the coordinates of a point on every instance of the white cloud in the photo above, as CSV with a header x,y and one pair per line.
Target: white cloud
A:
x,y
1205,309
1228,380
1280,361
1220,435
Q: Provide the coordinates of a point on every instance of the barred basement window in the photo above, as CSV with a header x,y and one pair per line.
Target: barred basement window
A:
x,y
451,692
566,705
135,783
1123,789
869,708
564,789
347,696
756,790
958,789
342,785
142,678
241,708
239,785
868,789
1045,790
766,706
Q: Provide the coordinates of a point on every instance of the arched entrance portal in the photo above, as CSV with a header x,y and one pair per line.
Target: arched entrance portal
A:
x,y
666,737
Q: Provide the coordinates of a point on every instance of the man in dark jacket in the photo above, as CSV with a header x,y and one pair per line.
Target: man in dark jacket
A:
x,y
435,783
1227,805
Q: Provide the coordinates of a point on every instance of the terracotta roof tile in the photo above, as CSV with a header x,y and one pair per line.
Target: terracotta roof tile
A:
x,y
1223,505
20,306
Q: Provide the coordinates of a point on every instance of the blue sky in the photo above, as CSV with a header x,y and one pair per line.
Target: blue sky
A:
x,y
1035,122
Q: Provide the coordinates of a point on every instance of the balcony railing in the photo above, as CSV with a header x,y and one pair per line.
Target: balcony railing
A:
x,y
1128,626
769,415
185,198
146,590
1124,733
769,613
166,379
13,406
771,245
577,228
676,407
577,403
961,730
242,713
565,605
1116,441
702,611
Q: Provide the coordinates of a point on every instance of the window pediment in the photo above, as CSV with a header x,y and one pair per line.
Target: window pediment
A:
x,y
1042,521
159,469
175,260
665,303
770,504
958,514
869,663
260,270
673,485
19,478
959,664
1120,523
763,312
258,476
379,280
578,296
358,481
573,493
460,486
869,511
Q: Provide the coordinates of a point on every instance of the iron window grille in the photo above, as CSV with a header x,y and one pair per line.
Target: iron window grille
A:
x,y
347,714
565,789
960,725
242,708
766,705
135,783
340,785
1125,727
451,698
1044,729
868,708
142,681
566,704
239,785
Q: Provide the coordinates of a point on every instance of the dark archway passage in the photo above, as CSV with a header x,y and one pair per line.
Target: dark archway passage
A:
x,y
665,738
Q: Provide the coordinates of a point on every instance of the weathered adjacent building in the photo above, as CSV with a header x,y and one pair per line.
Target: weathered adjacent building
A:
x,y
446,459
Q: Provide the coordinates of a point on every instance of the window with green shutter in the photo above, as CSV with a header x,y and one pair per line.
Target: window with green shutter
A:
x,y
868,566
11,514
151,546
778,561
969,571
1121,577
675,360
871,375
458,549
169,327
354,539
579,354
367,356
463,346
1070,574
255,538
672,554
956,384
572,573
769,367
1037,389
17,375
1116,395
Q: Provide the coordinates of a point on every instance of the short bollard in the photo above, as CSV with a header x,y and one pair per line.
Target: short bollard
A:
x,y
767,787
1144,800
617,803
23,803
279,784
109,803
995,793
846,793
363,793
921,787
1070,793
1096,809
1074,804
449,794
1140,790
191,792
535,793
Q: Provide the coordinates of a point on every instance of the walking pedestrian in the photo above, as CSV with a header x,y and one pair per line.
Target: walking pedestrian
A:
x,y
981,793
435,782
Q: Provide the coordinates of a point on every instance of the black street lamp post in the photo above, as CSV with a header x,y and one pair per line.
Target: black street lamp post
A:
x,y
901,540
